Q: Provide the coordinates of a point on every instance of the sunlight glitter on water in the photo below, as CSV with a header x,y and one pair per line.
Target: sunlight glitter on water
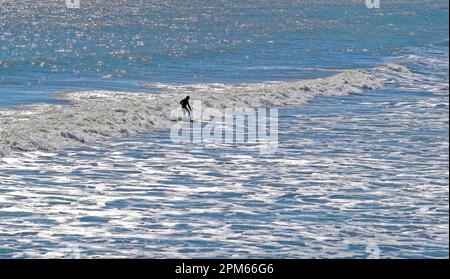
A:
x,y
374,174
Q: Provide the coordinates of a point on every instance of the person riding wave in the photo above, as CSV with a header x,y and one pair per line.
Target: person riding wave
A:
x,y
186,107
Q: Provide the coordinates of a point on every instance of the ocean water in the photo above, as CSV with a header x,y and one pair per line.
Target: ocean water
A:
x,y
128,45
361,168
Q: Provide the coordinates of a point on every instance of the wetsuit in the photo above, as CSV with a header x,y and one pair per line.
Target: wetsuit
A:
x,y
186,107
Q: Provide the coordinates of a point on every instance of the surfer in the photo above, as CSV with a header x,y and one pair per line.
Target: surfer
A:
x,y
186,107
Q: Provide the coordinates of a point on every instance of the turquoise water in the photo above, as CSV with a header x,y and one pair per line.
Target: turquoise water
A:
x,y
352,175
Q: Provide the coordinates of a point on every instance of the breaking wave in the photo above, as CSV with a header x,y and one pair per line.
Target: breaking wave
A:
x,y
93,117
425,69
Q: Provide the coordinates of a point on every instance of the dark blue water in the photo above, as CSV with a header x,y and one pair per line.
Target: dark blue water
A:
x,y
124,45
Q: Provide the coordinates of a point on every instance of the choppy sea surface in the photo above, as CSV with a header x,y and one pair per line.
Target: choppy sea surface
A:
x,y
355,175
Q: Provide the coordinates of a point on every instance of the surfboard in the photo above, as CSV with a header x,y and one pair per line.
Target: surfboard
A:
x,y
182,119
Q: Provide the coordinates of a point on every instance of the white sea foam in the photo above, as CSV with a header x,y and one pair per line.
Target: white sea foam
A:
x,y
375,174
92,117
424,70
401,77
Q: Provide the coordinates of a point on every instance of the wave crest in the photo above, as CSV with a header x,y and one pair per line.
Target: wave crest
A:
x,y
93,117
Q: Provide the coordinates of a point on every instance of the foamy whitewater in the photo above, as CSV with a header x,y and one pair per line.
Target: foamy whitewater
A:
x,y
88,168
91,117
